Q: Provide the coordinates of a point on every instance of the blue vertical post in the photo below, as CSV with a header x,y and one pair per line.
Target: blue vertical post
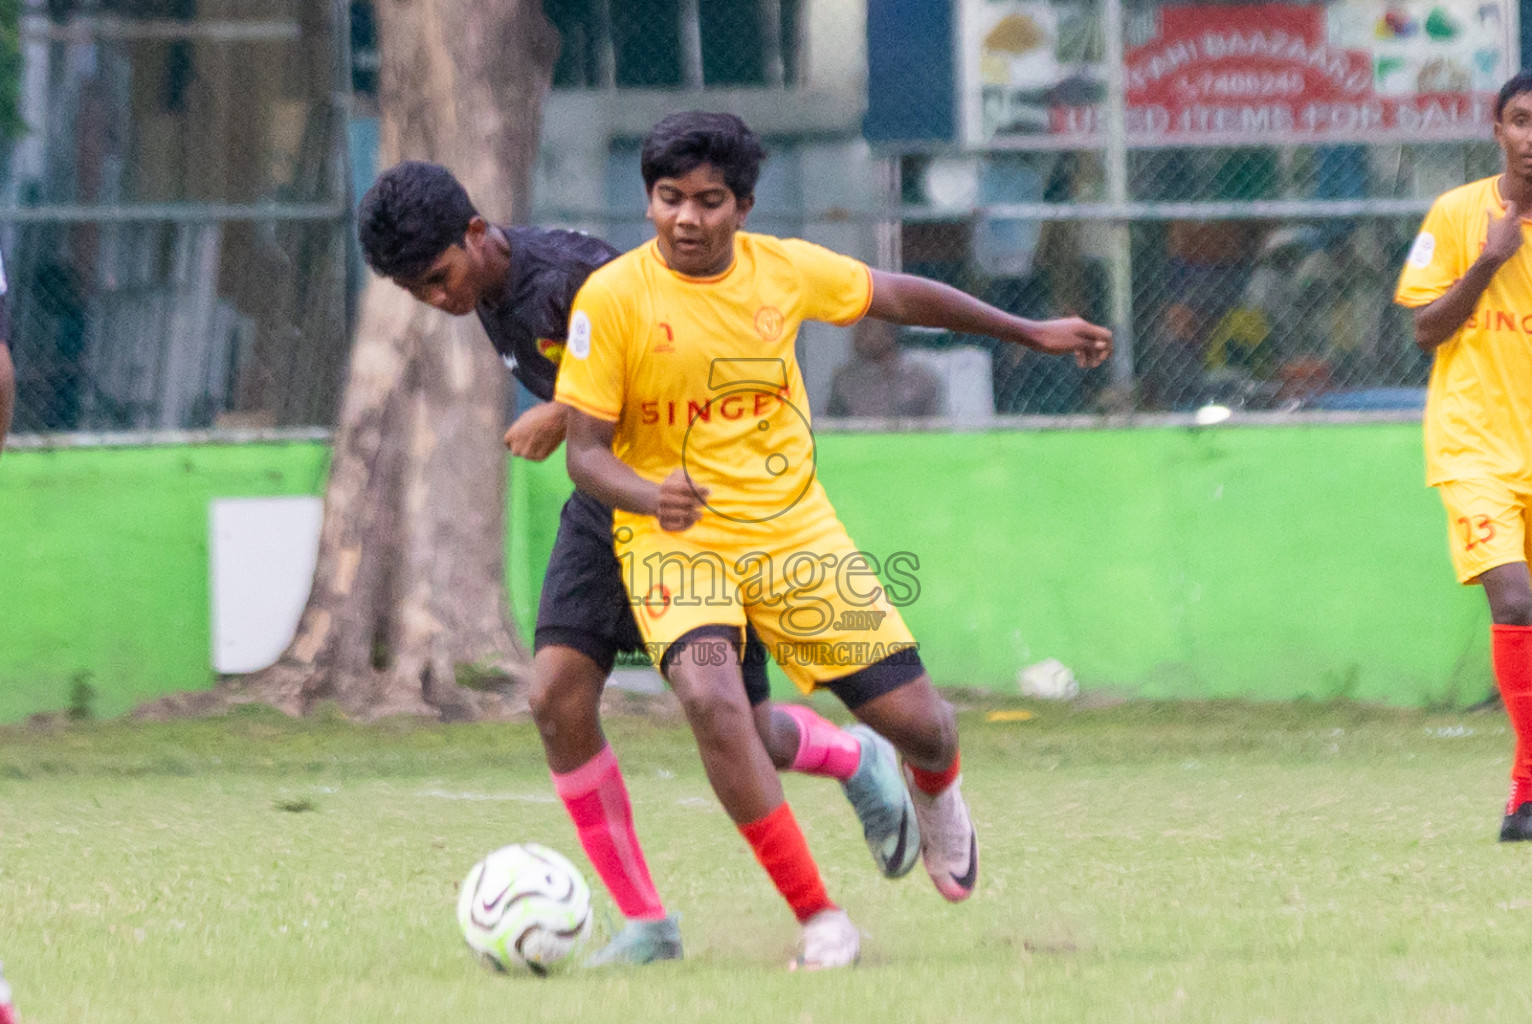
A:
x,y
911,81
1524,22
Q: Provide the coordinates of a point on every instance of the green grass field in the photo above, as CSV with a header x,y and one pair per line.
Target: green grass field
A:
x,y
1161,862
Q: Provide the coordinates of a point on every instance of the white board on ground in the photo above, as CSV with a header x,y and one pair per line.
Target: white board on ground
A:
x,y
262,553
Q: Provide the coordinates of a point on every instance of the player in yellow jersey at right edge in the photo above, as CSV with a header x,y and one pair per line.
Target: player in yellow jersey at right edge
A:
x,y
688,415
1468,278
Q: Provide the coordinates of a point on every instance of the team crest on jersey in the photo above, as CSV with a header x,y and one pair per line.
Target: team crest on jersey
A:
x,y
769,322
579,335
1423,249
551,350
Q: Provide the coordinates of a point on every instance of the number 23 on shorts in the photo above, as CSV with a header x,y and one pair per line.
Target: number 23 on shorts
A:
x,y
1475,530
1486,524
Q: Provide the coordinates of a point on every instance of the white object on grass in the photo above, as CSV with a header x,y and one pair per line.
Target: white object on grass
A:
x,y
1048,680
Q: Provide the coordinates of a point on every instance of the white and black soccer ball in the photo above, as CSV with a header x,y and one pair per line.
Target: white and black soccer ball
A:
x,y
524,907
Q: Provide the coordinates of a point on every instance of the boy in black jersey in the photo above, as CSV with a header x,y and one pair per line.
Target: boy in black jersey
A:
x,y
419,228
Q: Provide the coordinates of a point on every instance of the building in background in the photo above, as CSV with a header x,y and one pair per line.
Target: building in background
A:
x,y
795,70
177,215
178,229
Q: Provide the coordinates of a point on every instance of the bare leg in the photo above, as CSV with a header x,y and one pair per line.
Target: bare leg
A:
x,y
917,721
1509,591
736,762
742,776
566,696
778,733
566,705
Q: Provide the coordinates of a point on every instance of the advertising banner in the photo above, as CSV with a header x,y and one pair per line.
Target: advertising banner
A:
x,y
1351,70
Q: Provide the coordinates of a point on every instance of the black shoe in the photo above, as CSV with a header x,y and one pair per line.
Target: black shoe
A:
x,y
1517,827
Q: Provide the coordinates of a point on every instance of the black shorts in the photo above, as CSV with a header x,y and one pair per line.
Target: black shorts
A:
x,y
883,676
584,605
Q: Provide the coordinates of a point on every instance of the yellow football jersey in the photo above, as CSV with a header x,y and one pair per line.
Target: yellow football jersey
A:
x,y
1479,404
701,373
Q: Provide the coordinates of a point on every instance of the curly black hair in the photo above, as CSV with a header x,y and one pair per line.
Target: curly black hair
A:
x,y
411,215
682,142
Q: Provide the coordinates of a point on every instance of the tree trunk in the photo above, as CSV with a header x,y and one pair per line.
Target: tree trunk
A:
x,y
410,583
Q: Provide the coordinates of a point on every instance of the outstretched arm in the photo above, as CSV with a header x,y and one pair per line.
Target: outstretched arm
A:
x,y
1440,319
921,302
601,474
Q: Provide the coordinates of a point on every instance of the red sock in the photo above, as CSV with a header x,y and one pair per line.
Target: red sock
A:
x,y
823,747
597,800
1511,647
780,847
934,783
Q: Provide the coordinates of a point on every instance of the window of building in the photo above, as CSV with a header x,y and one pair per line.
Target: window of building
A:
x,y
674,44
364,51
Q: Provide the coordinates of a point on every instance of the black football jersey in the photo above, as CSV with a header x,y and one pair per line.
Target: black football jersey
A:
x,y
528,321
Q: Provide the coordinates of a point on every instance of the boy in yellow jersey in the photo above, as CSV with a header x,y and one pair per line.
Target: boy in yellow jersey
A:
x,y
1469,280
687,415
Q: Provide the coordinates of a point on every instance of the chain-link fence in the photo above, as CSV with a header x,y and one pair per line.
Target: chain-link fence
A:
x,y
175,219
1261,278
1238,215
1231,187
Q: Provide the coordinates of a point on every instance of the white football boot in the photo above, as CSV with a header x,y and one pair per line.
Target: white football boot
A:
x,y
829,940
948,843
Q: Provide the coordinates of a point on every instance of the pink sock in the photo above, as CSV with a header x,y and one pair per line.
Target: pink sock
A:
x,y
823,747
597,800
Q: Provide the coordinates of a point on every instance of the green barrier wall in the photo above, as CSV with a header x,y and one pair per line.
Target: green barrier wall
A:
x,y
1264,562
104,554
1273,563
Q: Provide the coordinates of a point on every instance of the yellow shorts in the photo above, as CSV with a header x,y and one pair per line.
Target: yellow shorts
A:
x,y
811,595
1486,524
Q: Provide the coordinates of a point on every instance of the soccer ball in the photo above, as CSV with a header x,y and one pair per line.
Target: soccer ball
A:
x,y
524,906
